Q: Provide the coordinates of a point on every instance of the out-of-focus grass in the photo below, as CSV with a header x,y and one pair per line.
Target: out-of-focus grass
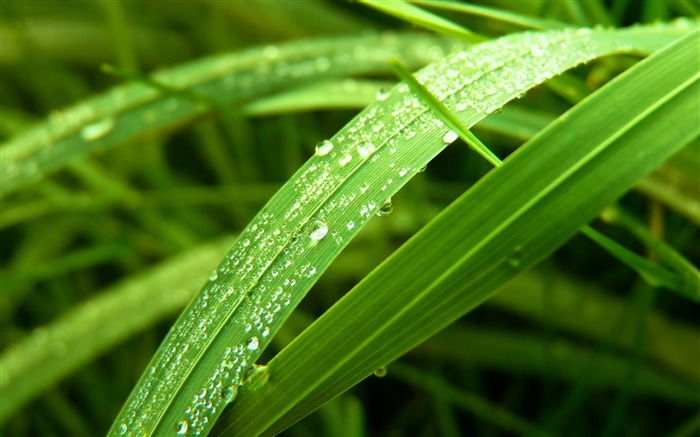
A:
x,y
117,214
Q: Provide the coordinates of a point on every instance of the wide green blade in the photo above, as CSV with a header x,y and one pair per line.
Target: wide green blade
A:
x,y
510,220
206,356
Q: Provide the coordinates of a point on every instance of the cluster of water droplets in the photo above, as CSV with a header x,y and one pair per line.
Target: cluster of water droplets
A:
x,y
351,178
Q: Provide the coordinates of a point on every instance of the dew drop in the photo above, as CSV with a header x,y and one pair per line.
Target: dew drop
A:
x,y
380,372
253,344
271,52
383,93
537,51
256,377
350,224
386,208
515,258
229,393
422,169
344,160
122,429
213,275
324,148
461,106
182,427
365,149
319,230
449,137
97,130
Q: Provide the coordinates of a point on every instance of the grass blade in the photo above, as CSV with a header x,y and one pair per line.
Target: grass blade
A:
x,y
130,112
487,237
425,19
652,273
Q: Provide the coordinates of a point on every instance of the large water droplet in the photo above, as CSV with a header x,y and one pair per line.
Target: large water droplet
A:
x,y
253,344
228,394
383,93
318,231
122,429
182,427
386,208
256,377
449,137
97,130
365,149
324,148
380,372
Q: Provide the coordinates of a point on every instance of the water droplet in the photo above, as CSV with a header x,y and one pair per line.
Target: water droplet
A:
x,y
380,372
122,429
182,427
515,257
319,230
537,51
213,275
229,393
253,344
344,160
422,169
271,52
461,106
256,377
383,93
97,130
365,149
350,224
324,148
449,137
386,208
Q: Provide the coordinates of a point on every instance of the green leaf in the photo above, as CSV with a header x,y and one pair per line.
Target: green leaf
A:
x,y
130,112
204,359
423,18
511,219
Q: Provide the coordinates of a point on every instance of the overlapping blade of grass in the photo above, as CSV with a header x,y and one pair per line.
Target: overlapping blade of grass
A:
x,y
653,273
130,112
40,360
206,356
510,220
426,19
502,15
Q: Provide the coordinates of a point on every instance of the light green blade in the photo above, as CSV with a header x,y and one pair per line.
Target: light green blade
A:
x,y
130,112
204,359
511,219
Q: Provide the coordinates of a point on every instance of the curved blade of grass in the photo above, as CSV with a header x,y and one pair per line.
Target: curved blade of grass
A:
x,y
505,16
205,357
133,111
511,219
29,367
654,274
425,19
667,254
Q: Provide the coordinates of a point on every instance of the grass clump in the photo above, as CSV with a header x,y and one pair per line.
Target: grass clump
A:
x,y
223,143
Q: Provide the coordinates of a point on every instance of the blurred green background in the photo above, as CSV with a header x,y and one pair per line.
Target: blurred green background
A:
x,y
580,346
